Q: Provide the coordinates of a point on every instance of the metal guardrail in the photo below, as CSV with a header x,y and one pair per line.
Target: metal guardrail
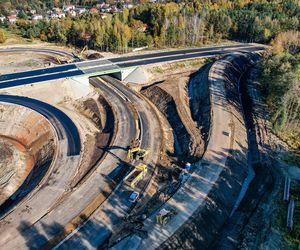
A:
x,y
290,215
287,186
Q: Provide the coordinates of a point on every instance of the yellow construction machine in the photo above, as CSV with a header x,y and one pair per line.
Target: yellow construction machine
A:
x,y
63,60
136,154
136,175
165,215
79,56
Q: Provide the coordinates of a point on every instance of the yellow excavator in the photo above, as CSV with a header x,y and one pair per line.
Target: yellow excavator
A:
x,y
63,60
137,153
79,56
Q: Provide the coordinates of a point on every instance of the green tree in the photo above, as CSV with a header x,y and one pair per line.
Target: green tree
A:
x,y
2,36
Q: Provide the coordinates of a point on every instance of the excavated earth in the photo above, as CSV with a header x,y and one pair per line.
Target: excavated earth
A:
x,y
171,99
203,226
27,146
97,111
183,140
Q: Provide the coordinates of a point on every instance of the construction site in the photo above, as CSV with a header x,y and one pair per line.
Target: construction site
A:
x,y
174,155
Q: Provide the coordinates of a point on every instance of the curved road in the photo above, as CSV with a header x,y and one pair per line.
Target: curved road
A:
x,y
55,182
35,222
75,203
63,125
102,65
112,211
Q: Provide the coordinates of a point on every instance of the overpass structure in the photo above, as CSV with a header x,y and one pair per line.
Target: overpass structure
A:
x,y
121,67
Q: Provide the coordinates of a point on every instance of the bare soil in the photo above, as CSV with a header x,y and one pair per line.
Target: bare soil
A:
x,y
171,98
97,136
22,62
25,153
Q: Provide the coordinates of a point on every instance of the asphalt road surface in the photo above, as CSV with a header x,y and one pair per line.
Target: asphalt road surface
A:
x,y
37,233
75,69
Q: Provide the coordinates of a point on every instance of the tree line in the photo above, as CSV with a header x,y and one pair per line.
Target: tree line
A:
x,y
169,24
280,77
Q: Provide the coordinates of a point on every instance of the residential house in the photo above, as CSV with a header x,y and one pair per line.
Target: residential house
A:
x,y
106,9
80,10
72,13
12,18
61,15
94,11
37,17
68,8
128,5
57,15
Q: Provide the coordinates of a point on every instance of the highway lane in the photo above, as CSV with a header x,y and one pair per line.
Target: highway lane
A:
x,y
21,78
37,72
99,214
111,213
170,53
42,78
57,118
184,57
194,193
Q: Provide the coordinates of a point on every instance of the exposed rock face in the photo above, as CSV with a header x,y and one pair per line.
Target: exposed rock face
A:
x,y
26,143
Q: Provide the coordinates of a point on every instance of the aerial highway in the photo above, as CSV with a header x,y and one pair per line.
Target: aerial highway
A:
x,y
194,193
89,67
88,191
40,219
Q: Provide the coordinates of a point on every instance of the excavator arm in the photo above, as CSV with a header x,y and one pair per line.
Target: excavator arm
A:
x,y
137,153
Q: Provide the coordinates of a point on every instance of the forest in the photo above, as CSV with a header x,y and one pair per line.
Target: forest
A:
x,y
280,78
163,24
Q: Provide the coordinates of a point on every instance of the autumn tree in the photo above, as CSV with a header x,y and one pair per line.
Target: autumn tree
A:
x,y
2,36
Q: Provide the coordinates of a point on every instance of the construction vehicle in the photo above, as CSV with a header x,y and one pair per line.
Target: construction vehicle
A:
x,y
136,175
79,56
164,216
136,153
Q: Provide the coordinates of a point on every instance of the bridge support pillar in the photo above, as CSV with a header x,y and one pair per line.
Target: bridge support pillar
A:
x,y
81,86
133,75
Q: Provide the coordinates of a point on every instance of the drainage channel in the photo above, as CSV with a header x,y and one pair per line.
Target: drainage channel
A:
x,y
246,103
